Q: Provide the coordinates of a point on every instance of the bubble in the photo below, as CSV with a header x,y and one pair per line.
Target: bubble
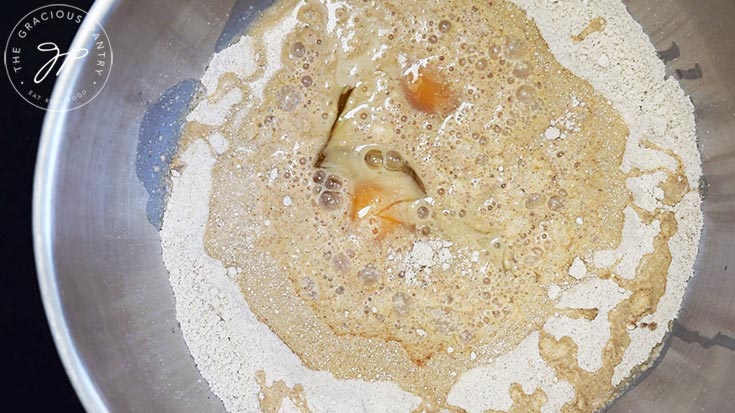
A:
x,y
341,262
462,213
330,200
531,259
556,203
288,98
309,286
495,52
307,81
425,230
369,274
319,177
526,94
466,336
433,39
481,64
514,47
400,303
445,26
339,290
495,243
298,50
535,200
522,70
333,183
393,160
563,192
423,212
374,158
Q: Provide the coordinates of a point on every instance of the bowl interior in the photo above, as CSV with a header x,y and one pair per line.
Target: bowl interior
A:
x,y
106,290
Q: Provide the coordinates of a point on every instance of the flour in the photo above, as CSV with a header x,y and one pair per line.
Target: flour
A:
x,y
589,335
425,255
637,242
230,345
486,387
578,269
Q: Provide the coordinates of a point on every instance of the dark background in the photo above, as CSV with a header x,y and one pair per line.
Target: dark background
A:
x,y
32,377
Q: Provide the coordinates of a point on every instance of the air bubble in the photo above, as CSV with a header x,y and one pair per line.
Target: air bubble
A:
x,y
433,39
526,94
445,26
341,262
393,160
423,212
535,200
374,158
400,303
288,98
298,50
522,70
495,52
307,81
495,243
319,177
368,275
514,47
556,203
481,64
466,336
333,183
310,288
330,200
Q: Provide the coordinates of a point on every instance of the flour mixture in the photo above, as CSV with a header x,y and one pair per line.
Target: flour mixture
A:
x,y
456,206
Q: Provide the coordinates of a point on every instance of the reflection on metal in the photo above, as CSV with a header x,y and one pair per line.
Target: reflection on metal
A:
x,y
689,74
692,336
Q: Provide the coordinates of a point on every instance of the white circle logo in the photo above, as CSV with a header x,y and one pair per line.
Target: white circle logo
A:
x,y
39,49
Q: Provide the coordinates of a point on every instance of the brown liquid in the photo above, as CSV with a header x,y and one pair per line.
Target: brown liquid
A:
x,y
329,279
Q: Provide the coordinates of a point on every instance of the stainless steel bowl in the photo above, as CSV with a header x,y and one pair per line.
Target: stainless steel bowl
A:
x,y
105,288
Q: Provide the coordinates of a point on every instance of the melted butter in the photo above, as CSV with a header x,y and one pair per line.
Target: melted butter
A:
x,y
470,132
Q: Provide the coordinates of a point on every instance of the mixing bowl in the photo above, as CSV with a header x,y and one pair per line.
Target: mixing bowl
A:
x,y
105,288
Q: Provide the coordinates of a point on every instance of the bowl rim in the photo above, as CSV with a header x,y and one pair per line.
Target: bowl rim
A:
x,y
52,134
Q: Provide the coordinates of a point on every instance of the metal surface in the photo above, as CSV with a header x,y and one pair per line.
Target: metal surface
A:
x,y
106,291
